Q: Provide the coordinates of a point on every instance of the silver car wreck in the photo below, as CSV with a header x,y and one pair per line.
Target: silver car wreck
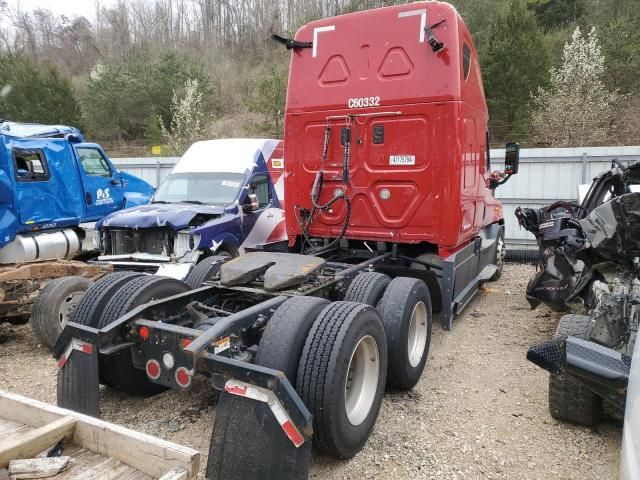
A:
x,y
589,267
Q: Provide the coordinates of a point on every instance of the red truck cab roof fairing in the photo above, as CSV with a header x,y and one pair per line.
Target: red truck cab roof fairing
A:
x,y
418,122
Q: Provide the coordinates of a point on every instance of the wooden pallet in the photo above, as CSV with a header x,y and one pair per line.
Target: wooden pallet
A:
x,y
98,449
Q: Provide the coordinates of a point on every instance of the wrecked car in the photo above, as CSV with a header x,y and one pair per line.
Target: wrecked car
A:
x,y
222,197
589,267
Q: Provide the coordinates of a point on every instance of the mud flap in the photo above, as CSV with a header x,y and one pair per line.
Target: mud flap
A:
x,y
248,443
78,382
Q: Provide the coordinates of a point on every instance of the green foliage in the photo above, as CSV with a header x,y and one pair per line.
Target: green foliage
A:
x,y
122,97
557,13
268,95
620,40
35,93
514,63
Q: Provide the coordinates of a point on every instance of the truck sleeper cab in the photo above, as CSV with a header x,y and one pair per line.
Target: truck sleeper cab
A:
x,y
222,197
386,125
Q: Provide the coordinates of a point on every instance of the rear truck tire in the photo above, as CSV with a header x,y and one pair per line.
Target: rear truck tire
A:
x,y
98,295
54,307
96,298
342,375
406,313
501,255
207,269
284,336
569,399
117,369
367,288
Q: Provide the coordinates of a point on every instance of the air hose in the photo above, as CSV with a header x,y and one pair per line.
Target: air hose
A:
x,y
316,191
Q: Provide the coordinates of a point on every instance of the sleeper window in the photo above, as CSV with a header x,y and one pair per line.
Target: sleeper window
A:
x,y
466,60
30,166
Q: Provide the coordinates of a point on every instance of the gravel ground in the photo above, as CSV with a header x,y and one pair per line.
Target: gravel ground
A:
x,y
479,411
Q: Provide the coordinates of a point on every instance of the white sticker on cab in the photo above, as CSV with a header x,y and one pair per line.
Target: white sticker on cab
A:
x,y
402,160
230,183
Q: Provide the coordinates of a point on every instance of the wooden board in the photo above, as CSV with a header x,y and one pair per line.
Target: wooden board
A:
x,y
29,444
146,454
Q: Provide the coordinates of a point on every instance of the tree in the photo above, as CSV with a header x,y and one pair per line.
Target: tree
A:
x,y
577,109
35,93
122,97
556,13
514,63
187,119
268,97
619,37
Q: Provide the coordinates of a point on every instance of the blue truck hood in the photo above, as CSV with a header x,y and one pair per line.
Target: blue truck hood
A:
x,y
175,216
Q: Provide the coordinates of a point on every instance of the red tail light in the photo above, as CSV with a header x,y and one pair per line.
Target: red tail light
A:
x,y
183,377
153,369
144,333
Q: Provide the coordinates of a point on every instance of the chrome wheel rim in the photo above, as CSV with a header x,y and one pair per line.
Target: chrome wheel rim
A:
x,y
418,331
68,306
362,380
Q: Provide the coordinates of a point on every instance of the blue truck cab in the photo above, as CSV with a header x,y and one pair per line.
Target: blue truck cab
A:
x,y
222,197
53,188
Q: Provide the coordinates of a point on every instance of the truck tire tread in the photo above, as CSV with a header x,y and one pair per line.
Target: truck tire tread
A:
x,y
396,308
319,376
98,295
205,270
367,288
284,336
569,399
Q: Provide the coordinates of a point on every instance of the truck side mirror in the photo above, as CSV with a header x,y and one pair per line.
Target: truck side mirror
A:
x,y
511,158
251,203
511,163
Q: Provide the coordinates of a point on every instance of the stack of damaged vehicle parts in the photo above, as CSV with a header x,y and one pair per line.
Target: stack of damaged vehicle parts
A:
x,y
589,265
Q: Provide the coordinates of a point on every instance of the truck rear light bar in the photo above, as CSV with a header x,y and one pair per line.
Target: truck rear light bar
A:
x,y
246,390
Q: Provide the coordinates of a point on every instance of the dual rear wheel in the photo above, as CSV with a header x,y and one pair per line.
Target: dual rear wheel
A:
x,y
339,356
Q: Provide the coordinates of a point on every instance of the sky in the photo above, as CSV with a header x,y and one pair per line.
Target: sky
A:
x,y
86,8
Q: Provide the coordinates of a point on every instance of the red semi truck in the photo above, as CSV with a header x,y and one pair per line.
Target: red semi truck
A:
x,y
390,216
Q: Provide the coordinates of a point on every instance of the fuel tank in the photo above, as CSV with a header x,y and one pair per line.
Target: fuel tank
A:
x,y
63,244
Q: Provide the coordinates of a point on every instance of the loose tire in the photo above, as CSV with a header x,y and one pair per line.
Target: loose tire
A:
x,y
407,317
206,270
117,369
341,376
569,399
501,255
284,336
367,288
54,307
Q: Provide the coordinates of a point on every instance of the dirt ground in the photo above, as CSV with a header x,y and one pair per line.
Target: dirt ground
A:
x,y
479,411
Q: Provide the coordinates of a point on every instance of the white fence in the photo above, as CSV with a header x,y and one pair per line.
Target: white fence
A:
x,y
546,175
550,174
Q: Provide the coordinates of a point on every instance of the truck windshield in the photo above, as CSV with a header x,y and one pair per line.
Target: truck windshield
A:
x,y
207,188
